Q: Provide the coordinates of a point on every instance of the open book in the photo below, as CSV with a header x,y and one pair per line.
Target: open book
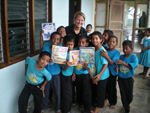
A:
x,y
59,54
48,29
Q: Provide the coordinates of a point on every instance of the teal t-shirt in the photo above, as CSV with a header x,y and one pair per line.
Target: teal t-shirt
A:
x,y
125,72
114,55
34,76
99,63
69,70
80,70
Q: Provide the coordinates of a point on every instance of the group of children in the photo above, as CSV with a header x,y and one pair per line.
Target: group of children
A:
x,y
92,88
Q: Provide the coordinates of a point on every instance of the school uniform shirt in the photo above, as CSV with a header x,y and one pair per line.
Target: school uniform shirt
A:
x,y
53,68
99,63
69,70
80,70
114,55
34,76
125,72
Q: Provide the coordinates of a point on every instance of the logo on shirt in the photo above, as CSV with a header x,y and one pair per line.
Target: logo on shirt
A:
x,y
124,69
79,66
33,78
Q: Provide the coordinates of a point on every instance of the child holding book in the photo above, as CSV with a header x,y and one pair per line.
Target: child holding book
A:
x,y
35,82
126,69
102,72
66,78
83,81
145,54
54,69
112,55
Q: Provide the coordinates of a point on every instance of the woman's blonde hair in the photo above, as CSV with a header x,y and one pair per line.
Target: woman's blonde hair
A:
x,y
77,14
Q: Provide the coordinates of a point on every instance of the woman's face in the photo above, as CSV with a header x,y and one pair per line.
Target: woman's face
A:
x,y
79,21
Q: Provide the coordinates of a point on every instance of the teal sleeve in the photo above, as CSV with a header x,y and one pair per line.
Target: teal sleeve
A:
x,y
134,62
28,59
116,57
47,75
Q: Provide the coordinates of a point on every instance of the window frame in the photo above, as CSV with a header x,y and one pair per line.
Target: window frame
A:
x,y
5,40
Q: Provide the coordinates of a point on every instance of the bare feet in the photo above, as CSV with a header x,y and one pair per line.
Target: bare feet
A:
x,y
96,110
112,107
105,102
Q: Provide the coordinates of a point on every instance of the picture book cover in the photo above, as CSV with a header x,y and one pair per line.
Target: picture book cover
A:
x,y
74,57
48,29
87,55
59,54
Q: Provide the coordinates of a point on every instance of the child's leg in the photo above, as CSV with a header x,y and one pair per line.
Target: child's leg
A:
x,y
112,90
23,99
46,98
66,93
147,72
79,90
126,91
57,89
86,93
38,99
101,91
74,92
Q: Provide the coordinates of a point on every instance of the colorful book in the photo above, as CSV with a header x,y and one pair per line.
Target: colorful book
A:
x,y
48,29
59,54
74,57
87,55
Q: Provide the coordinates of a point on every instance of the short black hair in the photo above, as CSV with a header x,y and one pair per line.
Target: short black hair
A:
x,y
89,25
55,33
113,36
148,30
127,43
44,53
68,38
83,37
60,28
97,33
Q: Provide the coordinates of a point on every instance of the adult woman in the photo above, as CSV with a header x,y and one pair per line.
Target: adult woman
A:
x,y
76,29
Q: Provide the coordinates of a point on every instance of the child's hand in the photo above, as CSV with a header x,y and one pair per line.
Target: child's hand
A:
x,y
119,62
104,54
117,68
85,66
42,89
73,77
95,81
69,63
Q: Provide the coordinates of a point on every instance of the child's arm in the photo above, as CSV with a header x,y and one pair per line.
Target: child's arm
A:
x,y
105,55
41,39
73,77
123,63
26,66
67,66
98,76
43,87
85,66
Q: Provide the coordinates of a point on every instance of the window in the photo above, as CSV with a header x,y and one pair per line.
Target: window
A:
x,y
40,11
20,27
1,50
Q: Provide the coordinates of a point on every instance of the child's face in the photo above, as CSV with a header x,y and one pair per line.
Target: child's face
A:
x,y
55,39
96,40
43,61
112,43
82,42
105,36
62,32
147,33
89,29
127,50
79,21
70,45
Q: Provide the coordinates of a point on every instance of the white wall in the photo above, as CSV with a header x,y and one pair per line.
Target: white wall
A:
x,y
88,8
60,12
11,83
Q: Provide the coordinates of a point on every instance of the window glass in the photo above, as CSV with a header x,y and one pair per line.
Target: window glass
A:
x,y
40,13
18,27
